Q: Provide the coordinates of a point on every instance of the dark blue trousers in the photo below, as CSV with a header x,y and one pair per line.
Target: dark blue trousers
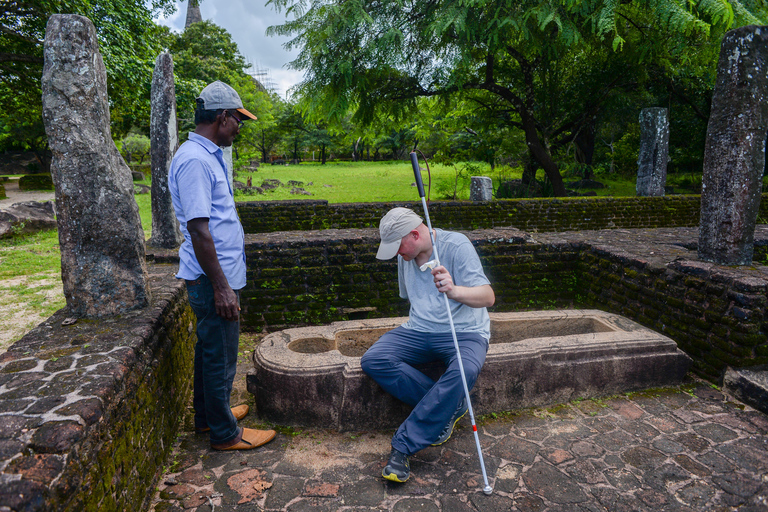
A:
x,y
215,363
390,362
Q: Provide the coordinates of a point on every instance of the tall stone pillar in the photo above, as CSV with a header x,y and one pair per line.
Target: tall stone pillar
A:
x,y
193,13
103,266
654,152
164,140
480,188
734,155
227,150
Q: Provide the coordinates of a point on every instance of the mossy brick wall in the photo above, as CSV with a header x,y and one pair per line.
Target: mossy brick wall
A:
x,y
563,214
89,412
314,278
715,314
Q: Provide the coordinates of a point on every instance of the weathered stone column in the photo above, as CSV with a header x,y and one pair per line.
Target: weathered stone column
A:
x,y
480,188
164,140
102,244
654,152
193,13
227,150
734,155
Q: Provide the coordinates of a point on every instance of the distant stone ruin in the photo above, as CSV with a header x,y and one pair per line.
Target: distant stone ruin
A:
x,y
481,189
193,13
734,155
164,140
654,152
103,265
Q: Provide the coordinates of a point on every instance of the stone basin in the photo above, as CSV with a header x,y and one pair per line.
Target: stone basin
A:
x,y
311,376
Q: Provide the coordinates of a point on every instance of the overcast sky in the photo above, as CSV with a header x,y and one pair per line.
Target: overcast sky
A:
x,y
247,21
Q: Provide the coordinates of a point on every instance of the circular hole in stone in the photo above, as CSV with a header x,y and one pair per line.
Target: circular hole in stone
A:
x,y
355,343
312,345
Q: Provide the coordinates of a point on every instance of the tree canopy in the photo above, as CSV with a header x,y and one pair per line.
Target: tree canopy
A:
x,y
547,68
126,39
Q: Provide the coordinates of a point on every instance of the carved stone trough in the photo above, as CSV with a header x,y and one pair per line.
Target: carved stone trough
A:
x,y
311,376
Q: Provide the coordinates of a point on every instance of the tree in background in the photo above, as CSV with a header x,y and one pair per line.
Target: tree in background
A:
x,y
544,68
128,45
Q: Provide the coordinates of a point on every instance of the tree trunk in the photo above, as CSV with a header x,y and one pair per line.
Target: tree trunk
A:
x,y
541,154
322,154
530,166
585,148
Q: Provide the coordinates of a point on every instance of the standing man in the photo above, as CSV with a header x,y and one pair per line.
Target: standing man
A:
x,y
212,261
426,336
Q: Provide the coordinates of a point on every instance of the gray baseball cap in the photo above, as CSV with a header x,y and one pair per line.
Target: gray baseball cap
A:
x,y
218,95
397,223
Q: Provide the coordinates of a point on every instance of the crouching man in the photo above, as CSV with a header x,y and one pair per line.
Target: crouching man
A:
x,y
426,336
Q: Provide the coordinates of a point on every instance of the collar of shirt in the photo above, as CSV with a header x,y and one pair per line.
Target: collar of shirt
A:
x,y
213,149
208,144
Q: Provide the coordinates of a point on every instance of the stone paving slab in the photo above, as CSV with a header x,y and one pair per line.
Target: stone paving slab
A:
x,y
691,448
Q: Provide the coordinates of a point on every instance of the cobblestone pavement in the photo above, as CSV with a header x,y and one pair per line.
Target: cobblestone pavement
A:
x,y
686,449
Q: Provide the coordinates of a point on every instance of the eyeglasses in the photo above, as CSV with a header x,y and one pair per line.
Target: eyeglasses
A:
x,y
239,121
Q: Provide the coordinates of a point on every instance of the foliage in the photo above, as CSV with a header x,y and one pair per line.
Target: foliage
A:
x,y
545,68
127,44
135,145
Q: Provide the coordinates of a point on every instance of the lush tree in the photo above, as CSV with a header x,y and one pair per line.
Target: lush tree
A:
x,y
126,41
546,68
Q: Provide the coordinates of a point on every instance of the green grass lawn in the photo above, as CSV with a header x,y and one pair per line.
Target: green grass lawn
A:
x,y
364,182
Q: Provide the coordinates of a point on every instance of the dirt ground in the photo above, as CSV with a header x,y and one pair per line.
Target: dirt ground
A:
x,y
22,196
15,318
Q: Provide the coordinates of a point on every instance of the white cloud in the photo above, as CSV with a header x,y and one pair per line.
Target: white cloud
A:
x,y
247,22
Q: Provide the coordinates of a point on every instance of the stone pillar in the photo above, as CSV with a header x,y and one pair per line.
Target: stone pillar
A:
x,y
481,189
734,155
227,150
193,13
654,152
164,140
103,266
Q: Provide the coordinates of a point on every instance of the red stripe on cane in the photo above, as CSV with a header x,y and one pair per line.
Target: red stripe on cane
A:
x,y
474,427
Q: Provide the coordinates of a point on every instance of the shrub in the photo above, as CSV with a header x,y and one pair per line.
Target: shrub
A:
x,y
36,182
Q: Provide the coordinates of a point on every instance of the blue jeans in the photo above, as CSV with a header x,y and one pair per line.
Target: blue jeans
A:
x,y
390,362
215,363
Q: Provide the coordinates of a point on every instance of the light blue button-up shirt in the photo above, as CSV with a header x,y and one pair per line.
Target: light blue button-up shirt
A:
x,y
200,189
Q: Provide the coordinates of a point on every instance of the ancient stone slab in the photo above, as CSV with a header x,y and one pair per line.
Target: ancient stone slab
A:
x,y
535,358
103,265
164,140
480,188
654,152
750,385
734,155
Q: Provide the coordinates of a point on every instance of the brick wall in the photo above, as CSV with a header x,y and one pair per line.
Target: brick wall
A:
x,y
81,426
715,314
536,215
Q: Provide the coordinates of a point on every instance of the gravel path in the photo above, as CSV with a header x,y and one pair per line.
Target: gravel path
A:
x,y
22,196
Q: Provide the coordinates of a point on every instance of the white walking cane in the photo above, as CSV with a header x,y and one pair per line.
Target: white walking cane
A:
x,y
417,173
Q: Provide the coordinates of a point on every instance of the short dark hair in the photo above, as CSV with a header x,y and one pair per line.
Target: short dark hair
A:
x,y
203,116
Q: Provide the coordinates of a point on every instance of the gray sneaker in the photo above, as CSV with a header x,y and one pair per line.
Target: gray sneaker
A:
x,y
445,434
398,469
